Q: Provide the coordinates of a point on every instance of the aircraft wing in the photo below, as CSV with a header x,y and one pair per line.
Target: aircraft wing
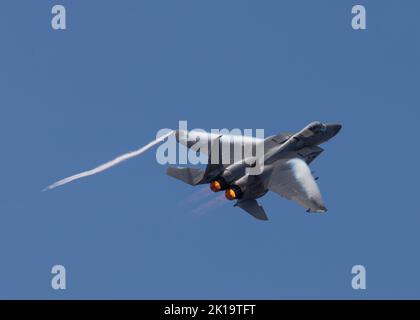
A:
x,y
293,180
192,176
230,145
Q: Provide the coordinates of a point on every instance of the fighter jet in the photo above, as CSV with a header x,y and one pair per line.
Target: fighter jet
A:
x,y
284,170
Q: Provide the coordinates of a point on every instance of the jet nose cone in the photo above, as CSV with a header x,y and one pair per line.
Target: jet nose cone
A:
x,y
335,128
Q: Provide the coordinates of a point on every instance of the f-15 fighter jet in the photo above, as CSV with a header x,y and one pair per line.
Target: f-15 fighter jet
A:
x,y
284,166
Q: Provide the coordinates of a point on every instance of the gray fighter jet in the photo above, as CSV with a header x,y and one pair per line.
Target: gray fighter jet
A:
x,y
285,169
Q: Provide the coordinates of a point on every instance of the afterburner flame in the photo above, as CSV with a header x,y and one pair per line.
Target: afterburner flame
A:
x,y
230,194
215,186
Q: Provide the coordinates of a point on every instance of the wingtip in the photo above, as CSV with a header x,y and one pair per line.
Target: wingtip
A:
x,y
264,218
320,210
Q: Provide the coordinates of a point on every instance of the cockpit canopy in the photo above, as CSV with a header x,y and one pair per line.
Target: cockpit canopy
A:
x,y
317,126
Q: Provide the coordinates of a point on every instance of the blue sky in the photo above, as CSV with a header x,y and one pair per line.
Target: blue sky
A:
x,y
73,99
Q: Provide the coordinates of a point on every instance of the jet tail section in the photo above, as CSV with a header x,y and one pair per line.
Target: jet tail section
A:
x,y
192,176
215,154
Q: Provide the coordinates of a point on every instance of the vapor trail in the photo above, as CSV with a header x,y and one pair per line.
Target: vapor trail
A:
x,y
211,204
108,164
196,196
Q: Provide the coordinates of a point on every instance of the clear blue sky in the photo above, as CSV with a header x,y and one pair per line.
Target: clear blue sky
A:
x,y
70,100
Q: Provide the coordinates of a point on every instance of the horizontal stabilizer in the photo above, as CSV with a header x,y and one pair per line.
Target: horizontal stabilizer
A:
x,y
191,176
253,208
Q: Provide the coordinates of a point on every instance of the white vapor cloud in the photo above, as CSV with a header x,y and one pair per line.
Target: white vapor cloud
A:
x,y
109,164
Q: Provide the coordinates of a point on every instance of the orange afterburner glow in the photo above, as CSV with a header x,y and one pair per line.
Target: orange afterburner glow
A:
x,y
215,186
230,194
